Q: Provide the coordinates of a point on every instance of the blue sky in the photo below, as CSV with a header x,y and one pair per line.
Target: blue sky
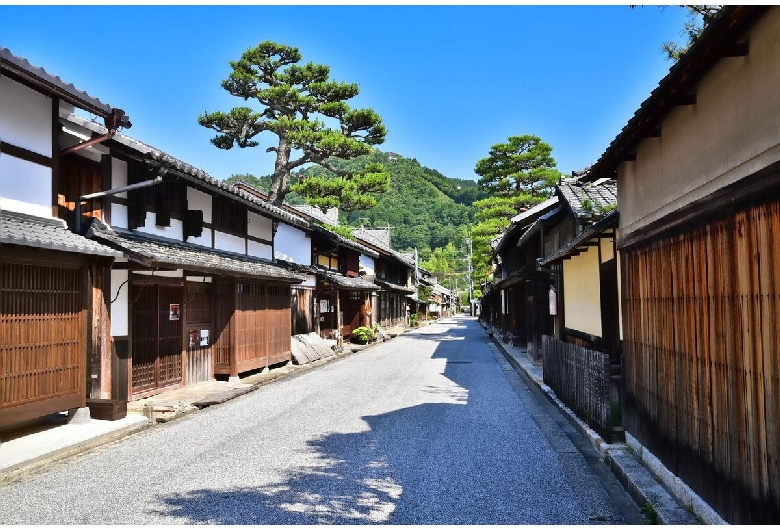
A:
x,y
449,81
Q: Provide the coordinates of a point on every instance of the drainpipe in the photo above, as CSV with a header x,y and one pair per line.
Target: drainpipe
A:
x,y
113,122
113,191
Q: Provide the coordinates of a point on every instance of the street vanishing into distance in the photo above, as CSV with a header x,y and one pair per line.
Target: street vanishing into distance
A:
x,y
432,427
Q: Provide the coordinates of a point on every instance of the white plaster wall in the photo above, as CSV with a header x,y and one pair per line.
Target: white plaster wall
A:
x,y
178,273
119,308
607,249
223,241
581,296
25,117
203,240
259,250
119,178
729,134
198,279
292,245
259,226
310,281
197,200
25,186
175,231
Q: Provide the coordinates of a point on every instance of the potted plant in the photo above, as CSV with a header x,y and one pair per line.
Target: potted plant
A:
x,y
362,335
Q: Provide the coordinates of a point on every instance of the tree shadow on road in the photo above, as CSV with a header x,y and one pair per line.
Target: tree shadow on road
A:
x,y
447,460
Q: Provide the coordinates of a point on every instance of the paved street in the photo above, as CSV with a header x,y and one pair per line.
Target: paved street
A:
x,y
433,427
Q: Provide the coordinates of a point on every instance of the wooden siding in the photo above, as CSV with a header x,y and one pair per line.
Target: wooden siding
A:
x,y
78,177
224,305
42,339
257,333
392,309
302,311
701,339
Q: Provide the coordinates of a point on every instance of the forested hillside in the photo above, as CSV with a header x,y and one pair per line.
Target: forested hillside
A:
x,y
425,209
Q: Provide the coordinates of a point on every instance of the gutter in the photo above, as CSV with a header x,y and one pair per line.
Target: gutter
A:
x,y
116,119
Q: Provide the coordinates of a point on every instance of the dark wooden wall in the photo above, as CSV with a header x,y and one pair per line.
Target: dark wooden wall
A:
x,y
43,342
701,339
256,333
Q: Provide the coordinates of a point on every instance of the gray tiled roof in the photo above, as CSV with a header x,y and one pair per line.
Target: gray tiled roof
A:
x,y
354,245
367,237
153,250
355,284
522,220
48,233
538,224
202,177
601,196
609,221
194,174
395,286
51,83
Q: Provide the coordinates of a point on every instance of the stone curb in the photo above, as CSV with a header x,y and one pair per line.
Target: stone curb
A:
x,y
35,464
164,412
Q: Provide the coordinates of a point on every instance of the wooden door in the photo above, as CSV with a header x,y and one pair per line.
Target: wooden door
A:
x,y
156,336
199,333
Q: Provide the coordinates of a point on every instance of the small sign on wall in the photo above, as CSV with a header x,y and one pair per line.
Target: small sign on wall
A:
x,y
553,296
324,306
173,313
199,338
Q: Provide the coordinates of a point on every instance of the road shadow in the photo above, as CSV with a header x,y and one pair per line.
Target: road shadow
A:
x,y
442,461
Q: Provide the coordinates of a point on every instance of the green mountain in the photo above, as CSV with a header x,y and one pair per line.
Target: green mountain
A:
x,y
425,209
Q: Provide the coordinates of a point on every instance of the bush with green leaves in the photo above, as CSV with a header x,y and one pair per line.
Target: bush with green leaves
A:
x,y
362,335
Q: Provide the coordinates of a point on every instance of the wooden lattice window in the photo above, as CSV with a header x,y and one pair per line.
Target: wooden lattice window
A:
x,y
42,339
168,197
229,216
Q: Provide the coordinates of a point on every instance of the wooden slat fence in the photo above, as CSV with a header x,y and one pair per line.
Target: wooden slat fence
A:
x,y
702,370
42,340
581,379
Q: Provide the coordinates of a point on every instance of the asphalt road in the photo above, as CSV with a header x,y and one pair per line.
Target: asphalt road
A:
x,y
433,427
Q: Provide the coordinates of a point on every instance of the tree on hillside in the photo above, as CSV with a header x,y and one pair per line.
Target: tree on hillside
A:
x,y
309,114
523,165
517,175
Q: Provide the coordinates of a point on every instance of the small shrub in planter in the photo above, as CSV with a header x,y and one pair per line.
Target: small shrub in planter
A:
x,y
362,335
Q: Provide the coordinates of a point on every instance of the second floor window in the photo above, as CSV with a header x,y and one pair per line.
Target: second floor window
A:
x,y
229,216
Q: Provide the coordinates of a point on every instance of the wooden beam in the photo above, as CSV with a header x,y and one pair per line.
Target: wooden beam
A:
x,y
685,99
629,157
738,49
653,133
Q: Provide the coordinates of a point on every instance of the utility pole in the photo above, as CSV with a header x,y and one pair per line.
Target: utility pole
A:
x,y
471,283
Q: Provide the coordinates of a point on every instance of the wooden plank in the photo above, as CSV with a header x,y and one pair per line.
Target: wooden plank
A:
x,y
770,267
